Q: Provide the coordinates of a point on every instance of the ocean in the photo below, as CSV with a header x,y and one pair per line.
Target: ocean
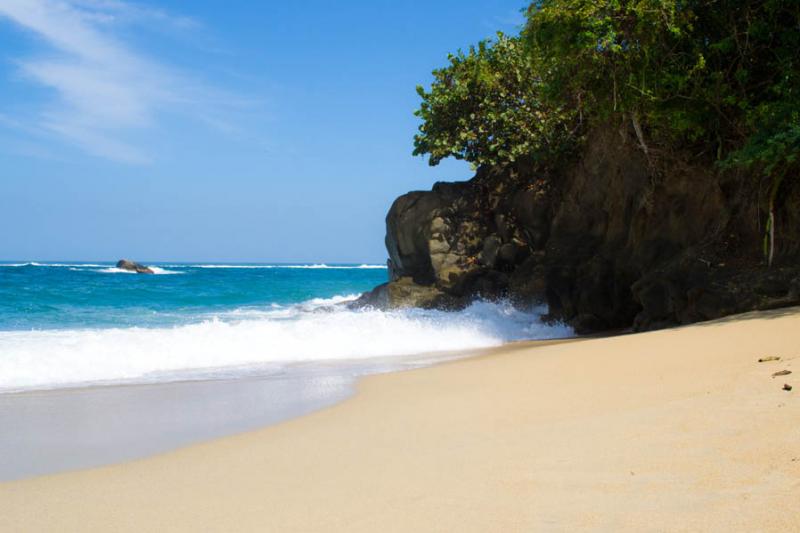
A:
x,y
80,324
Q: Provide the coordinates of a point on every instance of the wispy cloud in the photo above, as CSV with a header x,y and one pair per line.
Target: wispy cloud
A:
x,y
105,91
116,11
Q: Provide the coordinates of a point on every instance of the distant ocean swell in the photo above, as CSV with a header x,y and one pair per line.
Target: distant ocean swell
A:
x,y
312,266
169,268
247,341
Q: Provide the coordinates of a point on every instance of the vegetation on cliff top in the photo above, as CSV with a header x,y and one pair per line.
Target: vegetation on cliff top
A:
x,y
716,78
487,107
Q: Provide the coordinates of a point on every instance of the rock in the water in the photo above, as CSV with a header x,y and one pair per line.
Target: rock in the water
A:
x,y
404,293
133,266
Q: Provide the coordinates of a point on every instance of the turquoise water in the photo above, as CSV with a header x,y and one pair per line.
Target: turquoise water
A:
x,y
92,295
81,324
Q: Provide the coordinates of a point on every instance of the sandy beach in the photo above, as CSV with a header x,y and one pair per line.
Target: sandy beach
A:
x,y
676,430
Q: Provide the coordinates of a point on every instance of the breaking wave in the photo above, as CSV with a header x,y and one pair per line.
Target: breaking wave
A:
x,y
156,270
244,341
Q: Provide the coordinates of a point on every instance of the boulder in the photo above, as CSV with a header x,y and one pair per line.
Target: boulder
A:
x,y
133,266
406,293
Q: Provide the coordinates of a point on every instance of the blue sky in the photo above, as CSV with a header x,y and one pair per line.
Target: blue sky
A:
x,y
218,130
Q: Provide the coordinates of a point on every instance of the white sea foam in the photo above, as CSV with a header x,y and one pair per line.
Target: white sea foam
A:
x,y
115,270
156,270
248,340
163,271
90,267
84,265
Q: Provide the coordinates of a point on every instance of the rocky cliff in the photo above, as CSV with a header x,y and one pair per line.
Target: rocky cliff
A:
x,y
619,238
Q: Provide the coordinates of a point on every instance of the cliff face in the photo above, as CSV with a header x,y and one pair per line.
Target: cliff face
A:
x,y
620,238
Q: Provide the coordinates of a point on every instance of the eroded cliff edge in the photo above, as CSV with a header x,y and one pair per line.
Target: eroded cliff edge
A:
x,y
618,238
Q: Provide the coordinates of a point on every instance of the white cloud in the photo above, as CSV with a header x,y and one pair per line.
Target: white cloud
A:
x,y
105,90
115,10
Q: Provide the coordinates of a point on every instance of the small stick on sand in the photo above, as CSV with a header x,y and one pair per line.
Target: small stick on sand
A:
x,y
781,373
769,358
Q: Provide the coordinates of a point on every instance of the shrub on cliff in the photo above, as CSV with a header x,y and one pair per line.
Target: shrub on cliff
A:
x,y
718,78
721,75
485,107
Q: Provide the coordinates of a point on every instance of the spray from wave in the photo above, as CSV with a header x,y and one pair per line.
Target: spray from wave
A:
x,y
245,341
114,270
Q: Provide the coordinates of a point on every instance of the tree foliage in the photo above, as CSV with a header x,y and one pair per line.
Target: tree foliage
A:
x,y
485,108
719,77
721,74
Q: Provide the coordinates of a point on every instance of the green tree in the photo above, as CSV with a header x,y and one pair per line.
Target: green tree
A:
x,y
702,72
485,108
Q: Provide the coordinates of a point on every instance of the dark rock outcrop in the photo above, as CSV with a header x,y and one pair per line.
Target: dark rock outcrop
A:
x,y
404,292
617,239
133,266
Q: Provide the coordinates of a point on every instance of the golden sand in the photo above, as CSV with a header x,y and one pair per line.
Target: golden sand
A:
x,y
677,430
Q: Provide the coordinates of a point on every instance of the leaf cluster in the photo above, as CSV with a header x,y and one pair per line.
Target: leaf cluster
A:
x,y
485,107
721,76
